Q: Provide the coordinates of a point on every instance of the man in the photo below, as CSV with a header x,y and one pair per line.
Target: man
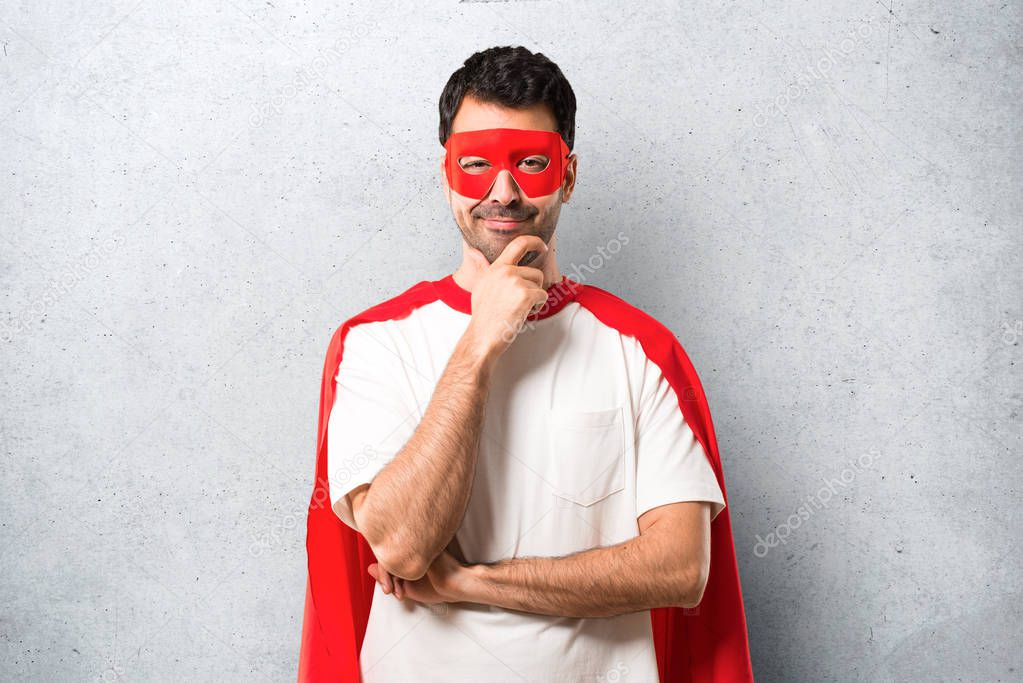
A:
x,y
517,475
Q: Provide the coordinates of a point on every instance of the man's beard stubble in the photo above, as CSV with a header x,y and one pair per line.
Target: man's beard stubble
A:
x,y
492,246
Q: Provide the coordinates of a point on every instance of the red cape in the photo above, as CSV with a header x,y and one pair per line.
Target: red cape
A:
x,y
706,644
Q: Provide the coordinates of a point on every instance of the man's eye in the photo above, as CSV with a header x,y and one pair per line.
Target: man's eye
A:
x,y
534,164
477,166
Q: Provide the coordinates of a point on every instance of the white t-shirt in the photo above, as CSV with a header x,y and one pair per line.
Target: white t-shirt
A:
x,y
582,434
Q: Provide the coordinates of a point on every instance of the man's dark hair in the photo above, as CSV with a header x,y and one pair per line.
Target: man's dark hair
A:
x,y
512,77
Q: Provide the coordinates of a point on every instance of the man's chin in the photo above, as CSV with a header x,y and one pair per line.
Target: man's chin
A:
x,y
492,243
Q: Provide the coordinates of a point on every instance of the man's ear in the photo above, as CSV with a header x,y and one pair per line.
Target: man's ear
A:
x,y
443,174
569,186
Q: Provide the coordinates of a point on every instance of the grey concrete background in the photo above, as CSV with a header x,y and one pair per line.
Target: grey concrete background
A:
x,y
822,200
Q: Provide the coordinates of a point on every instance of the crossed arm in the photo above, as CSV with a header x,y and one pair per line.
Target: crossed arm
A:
x,y
415,504
410,511
666,565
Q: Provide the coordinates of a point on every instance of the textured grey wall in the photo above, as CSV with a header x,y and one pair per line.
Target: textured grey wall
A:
x,y
822,200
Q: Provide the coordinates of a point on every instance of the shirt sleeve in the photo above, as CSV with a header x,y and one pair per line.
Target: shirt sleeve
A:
x,y
671,465
374,414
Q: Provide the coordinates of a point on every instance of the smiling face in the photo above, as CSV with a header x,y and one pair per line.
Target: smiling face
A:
x,y
505,211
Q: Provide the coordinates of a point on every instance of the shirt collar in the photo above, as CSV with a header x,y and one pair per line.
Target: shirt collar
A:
x,y
559,295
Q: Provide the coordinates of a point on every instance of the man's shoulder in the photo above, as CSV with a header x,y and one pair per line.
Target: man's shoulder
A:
x,y
654,341
627,318
396,307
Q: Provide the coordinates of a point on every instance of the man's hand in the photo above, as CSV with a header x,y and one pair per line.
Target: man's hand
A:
x,y
504,295
441,583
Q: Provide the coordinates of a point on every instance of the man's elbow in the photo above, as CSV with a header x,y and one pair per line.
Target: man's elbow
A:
x,y
693,584
393,552
400,563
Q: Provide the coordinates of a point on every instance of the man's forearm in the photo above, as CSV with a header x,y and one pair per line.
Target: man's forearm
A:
x,y
642,573
416,502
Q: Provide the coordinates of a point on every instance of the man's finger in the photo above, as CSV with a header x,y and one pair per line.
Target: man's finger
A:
x,y
515,249
456,550
534,275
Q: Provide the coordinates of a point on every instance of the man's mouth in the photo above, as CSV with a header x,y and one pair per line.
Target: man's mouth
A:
x,y
502,224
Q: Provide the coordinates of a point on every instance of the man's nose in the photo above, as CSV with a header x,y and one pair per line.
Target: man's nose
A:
x,y
504,190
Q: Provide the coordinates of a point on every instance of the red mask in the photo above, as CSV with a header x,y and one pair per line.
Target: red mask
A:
x,y
505,149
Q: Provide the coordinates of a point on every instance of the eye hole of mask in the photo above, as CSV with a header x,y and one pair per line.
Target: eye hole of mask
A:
x,y
535,163
475,157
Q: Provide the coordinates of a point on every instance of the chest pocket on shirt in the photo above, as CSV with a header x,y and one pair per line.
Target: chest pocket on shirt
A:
x,y
587,454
